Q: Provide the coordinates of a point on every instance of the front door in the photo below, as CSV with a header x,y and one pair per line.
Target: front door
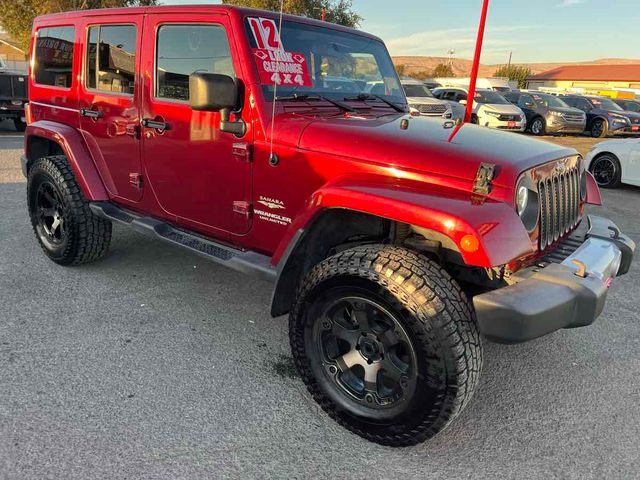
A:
x,y
190,163
109,102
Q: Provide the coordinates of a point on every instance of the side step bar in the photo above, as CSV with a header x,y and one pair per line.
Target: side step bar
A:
x,y
245,262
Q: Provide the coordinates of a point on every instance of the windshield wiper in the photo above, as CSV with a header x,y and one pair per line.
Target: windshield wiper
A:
x,y
370,96
306,96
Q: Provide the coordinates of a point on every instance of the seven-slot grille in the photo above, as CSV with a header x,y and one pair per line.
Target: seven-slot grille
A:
x,y
559,205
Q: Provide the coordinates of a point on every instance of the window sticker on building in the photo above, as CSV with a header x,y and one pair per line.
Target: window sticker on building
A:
x,y
275,64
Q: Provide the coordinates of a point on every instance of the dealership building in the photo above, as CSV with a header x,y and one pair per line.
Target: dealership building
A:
x,y
588,78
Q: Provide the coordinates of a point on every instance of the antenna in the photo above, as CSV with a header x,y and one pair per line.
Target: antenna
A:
x,y
273,160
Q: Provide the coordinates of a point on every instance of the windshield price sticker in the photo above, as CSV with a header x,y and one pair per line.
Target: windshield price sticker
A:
x,y
282,68
265,31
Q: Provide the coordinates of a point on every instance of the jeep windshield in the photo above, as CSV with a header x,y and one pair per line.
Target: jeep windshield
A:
x,y
335,65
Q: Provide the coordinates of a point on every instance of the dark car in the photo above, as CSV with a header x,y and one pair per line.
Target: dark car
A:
x,y
604,116
629,105
13,97
548,114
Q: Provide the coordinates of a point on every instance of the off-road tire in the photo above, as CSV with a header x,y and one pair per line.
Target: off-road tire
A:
x,y
19,124
434,311
88,236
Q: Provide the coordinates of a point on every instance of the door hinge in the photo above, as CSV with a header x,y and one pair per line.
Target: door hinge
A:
x,y
242,151
242,207
135,179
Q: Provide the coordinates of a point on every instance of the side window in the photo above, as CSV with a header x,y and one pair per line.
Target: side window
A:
x,y
569,101
461,96
53,62
184,49
526,101
111,58
584,105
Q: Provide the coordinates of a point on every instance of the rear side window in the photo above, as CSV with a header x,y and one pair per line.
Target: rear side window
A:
x,y
185,49
5,86
54,56
111,58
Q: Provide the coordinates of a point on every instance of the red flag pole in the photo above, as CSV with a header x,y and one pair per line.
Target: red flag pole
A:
x,y
476,62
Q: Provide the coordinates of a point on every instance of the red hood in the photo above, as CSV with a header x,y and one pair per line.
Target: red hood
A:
x,y
423,146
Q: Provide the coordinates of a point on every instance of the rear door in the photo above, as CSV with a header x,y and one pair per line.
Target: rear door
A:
x,y
109,99
197,172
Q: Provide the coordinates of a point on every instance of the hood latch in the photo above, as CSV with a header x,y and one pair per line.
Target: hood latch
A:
x,y
482,183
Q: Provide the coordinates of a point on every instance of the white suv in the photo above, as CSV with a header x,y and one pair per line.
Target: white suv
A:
x,y
490,109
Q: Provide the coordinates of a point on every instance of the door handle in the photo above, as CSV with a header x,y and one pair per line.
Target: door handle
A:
x,y
85,112
155,124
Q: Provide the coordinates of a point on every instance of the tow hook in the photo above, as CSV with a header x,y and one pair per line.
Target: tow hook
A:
x,y
582,269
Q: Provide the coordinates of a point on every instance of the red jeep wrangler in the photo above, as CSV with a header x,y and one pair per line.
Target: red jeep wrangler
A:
x,y
258,143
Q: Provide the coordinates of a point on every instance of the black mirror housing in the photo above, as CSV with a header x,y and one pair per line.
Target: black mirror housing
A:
x,y
212,92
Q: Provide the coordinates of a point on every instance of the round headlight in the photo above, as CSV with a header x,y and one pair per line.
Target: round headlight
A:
x,y
522,199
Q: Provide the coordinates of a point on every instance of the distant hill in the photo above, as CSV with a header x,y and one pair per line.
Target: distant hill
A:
x,y
462,66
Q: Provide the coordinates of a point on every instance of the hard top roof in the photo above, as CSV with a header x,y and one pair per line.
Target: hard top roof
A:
x,y
165,9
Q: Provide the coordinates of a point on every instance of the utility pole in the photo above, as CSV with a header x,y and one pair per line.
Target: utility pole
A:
x,y
510,54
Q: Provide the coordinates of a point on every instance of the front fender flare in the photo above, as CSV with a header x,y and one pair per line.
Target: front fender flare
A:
x,y
72,145
501,235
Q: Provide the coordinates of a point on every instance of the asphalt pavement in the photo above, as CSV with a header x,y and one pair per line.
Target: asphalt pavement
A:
x,y
154,363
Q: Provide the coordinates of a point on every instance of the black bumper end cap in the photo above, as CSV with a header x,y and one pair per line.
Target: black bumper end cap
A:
x,y
550,299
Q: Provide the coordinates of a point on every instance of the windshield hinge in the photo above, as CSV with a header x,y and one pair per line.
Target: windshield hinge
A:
x,y
242,151
482,183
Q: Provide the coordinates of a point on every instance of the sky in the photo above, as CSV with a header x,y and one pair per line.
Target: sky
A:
x,y
534,30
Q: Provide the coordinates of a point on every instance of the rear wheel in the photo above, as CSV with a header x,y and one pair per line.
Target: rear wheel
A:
x,y
538,126
606,170
599,128
67,230
386,343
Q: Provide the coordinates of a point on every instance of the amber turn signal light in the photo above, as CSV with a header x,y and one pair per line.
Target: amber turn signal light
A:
x,y
469,243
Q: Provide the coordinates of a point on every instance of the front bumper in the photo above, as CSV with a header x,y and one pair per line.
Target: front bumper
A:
x,y
493,122
546,298
560,125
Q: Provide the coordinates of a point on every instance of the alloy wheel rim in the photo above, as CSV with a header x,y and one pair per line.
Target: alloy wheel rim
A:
x,y
536,128
366,354
50,214
604,171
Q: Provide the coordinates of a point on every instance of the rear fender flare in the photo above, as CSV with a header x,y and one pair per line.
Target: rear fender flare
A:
x,y
72,145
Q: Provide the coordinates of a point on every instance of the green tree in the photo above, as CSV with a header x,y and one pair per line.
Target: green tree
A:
x,y
514,72
443,70
17,15
336,11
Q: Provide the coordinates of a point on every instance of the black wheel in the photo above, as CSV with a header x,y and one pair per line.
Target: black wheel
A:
x,y
606,170
20,125
599,128
538,126
67,230
386,342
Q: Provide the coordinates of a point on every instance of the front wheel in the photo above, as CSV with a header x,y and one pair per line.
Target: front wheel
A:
x,y
538,126
607,171
599,128
387,343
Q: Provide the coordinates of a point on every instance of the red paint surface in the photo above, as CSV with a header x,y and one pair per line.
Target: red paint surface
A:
x,y
193,175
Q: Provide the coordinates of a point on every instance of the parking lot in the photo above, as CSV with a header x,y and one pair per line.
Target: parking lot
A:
x,y
156,363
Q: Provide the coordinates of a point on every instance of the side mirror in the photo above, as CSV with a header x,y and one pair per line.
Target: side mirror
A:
x,y
462,102
212,92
